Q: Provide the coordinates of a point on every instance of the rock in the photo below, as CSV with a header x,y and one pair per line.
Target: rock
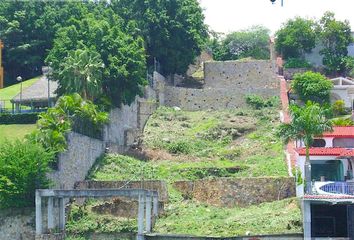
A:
x,y
177,108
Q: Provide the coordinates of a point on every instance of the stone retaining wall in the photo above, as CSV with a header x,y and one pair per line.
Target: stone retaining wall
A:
x,y
76,161
211,98
241,192
240,74
17,224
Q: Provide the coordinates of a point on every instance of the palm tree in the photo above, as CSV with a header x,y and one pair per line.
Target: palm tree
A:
x,y
81,72
307,122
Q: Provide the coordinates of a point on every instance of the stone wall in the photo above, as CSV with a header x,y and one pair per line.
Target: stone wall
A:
x,y
290,72
240,74
17,224
76,161
200,99
240,192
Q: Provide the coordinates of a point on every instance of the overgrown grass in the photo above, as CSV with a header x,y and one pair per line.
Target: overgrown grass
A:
x,y
209,144
198,219
15,131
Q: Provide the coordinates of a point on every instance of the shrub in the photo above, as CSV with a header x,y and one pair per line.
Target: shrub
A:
x,y
23,118
70,113
311,86
23,168
297,63
179,147
259,102
338,108
342,122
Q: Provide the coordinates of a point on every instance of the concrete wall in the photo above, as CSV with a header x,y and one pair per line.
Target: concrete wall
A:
x,y
240,74
231,192
76,161
17,224
222,98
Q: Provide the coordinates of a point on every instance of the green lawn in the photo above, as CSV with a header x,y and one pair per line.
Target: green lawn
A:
x,y
9,92
15,131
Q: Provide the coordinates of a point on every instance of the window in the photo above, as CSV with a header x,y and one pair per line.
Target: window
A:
x,y
318,143
343,142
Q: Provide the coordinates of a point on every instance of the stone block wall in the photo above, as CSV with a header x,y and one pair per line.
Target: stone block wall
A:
x,y
209,98
240,74
241,192
76,161
17,224
290,72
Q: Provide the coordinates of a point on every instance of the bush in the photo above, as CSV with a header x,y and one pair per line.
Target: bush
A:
x,y
23,168
179,147
297,63
338,108
259,102
23,118
342,122
311,86
70,113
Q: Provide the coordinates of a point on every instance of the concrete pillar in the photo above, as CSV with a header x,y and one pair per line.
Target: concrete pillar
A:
x,y
38,213
50,214
140,235
61,214
148,213
306,219
155,209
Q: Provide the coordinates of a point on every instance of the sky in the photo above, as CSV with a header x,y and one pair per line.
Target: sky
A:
x,y
232,15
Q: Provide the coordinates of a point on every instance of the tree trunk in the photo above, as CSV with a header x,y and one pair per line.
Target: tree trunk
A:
x,y
308,180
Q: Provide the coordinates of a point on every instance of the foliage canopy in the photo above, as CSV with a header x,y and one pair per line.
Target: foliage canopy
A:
x,y
312,86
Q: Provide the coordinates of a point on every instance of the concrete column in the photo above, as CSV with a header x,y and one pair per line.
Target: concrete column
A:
x,y
50,214
306,212
38,213
148,213
155,207
61,214
140,235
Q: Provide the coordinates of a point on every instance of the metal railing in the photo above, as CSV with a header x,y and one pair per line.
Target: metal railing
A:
x,y
346,188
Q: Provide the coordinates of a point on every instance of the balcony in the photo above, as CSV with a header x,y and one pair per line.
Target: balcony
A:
x,y
333,188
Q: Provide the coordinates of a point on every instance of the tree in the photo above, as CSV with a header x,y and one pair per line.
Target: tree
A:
x,y
335,37
174,30
296,37
252,42
122,54
27,29
312,86
307,122
81,72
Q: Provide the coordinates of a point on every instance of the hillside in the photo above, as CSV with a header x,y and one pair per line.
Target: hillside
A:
x,y
181,145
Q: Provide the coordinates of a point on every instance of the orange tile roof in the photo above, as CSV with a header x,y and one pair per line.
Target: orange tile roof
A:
x,y
341,152
342,132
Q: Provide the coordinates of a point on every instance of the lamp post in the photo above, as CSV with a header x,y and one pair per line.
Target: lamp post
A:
x,y
19,79
46,71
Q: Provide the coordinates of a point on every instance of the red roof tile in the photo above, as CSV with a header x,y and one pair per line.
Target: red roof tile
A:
x,y
341,132
342,152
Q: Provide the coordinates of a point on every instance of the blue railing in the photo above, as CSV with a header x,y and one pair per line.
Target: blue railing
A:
x,y
346,188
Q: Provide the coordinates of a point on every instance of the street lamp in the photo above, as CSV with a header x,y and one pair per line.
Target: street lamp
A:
x,y
19,79
46,71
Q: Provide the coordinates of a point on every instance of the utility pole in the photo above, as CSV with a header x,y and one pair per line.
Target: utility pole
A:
x,y
1,68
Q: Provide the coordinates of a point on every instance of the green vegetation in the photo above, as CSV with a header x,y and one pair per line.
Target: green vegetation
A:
x,y
338,108
199,219
335,36
70,112
182,145
15,131
297,63
312,86
249,43
298,36
23,168
307,122
258,102
24,118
